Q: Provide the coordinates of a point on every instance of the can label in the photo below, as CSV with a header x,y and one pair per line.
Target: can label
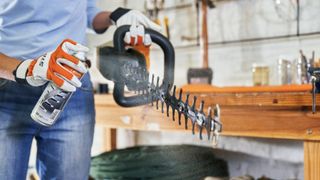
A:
x,y
50,105
53,99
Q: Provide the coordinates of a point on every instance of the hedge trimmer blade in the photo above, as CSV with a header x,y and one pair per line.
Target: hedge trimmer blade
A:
x,y
137,79
198,117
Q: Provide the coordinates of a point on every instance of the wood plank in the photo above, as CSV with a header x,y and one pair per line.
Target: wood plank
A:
x,y
311,160
259,99
137,118
285,95
270,122
255,121
110,141
297,99
205,88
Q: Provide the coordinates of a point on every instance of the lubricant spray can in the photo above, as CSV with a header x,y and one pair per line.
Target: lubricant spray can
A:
x,y
52,101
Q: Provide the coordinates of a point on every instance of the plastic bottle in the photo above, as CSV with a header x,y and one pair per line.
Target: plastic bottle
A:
x,y
52,102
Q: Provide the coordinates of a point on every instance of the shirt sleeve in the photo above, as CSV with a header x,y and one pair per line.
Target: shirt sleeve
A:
x,y
92,11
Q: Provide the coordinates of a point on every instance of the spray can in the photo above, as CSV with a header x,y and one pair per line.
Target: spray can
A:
x,y
52,102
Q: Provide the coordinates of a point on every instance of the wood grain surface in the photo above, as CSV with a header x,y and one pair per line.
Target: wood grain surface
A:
x,y
311,160
287,122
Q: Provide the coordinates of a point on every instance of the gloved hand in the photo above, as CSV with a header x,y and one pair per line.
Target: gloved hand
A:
x,y
137,36
61,66
122,16
140,41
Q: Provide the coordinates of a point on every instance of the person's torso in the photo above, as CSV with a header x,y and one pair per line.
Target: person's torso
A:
x,y
30,28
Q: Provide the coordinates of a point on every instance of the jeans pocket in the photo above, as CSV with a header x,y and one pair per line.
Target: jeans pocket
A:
x,y
3,83
86,84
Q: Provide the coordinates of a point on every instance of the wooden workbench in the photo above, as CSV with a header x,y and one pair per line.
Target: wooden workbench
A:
x,y
251,113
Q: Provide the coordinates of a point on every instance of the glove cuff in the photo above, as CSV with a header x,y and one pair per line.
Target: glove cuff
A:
x,y
20,73
116,14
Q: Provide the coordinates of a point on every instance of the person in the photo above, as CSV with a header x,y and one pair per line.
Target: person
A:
x,y
38,41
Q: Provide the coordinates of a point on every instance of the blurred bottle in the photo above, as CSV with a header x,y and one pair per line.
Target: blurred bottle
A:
x,y
284,72
300,72
260,75
53,99
103,89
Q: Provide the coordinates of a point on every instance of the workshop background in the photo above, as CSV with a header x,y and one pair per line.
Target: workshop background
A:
x,y
242,34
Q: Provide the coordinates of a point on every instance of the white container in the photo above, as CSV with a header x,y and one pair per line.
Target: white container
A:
x,y
52,102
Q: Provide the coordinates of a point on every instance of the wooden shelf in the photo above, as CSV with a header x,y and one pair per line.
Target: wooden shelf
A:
x,y
250,114
109,114
290,95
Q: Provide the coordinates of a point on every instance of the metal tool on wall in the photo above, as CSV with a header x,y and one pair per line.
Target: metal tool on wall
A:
x,y
127,68
152,8
313,76
202,75
315,81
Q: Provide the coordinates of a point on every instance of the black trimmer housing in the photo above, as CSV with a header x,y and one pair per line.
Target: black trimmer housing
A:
x,y
113,58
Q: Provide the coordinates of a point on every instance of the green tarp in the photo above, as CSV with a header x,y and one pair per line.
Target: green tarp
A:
x,y
158,162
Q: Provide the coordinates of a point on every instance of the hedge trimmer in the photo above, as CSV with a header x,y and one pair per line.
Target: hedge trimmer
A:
x,y
126,67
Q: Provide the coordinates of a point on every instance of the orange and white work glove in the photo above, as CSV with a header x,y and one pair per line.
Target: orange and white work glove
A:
x,y
136,37
140,41
62,66
122,16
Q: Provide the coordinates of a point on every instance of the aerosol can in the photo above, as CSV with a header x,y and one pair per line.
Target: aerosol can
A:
x,y
52,102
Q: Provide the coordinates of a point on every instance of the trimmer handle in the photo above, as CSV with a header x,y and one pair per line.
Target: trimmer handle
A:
x,y
169,60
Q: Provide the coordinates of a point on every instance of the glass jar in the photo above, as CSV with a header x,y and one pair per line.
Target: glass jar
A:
x,y
260,75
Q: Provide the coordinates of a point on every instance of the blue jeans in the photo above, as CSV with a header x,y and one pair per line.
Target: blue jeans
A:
x,y
63,150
